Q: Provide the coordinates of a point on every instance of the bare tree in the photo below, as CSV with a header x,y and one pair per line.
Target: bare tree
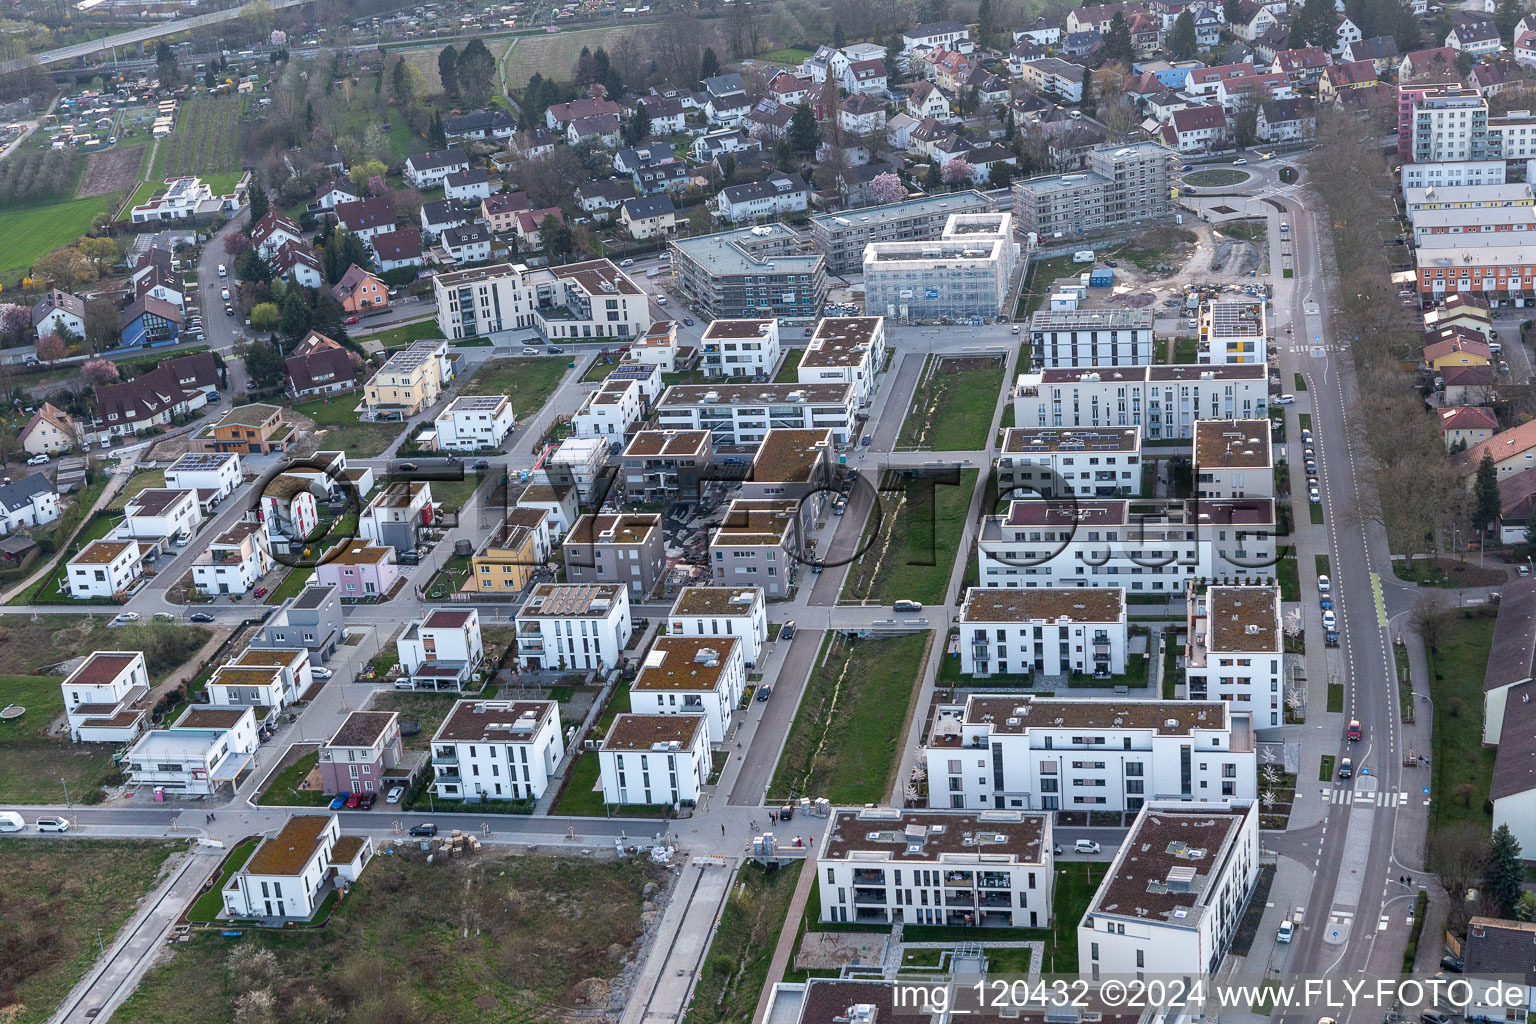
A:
x,y
1456,855
677,48
1431,617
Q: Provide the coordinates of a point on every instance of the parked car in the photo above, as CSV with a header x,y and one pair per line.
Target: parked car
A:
x,y
788,632
1324,584
1331,638
366,802
1085,846
229,310
10,821
1330,620
481,464
556,350
200,617
1325,602
1285,399
763,693
1431,1017
250,385
37,460
1240,161
320,672
1287,931
353,319
165,617
259,592
338,801
353,799
688,321
1314,495
53,824
407,467
529,350
394,794
123,618
425,829
223,271
1453,963
626,263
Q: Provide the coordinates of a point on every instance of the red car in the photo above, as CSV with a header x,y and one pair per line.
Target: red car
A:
x,y
353,319
260,591
353,799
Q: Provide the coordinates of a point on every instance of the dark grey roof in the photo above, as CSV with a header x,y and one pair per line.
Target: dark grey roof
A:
x,y
439,158
777,184
1514,767
724,85
448,211
18,494
468,234
1495,947
934,28
1514,636
56,299
648,206
479,121
471,176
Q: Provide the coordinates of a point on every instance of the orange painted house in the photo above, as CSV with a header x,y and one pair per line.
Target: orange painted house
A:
x,y
360,292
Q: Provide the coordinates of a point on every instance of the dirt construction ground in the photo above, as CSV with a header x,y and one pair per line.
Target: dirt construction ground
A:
x,y
111,170
1212,258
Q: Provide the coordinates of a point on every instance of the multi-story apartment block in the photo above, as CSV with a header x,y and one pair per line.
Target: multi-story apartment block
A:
x,y
740,348
846,350
187,762
1082,754
294,672
474,422
1090,337
688,675
1147,547
657,347
1232,331
1045,632
497,750
741,414
610,412
579,464
627,548
593,299
105,568
311,621
360,751
1233,459
1165,401
580,627
395,516
1446,124
409,382
105,697
842,236
160,515
261,685
233,561
965,273
441,650
216,474
1123,185
793,466
654,759
880,865
1051,463
1175,893
666,465
755,546
756,272
1235,649
710,612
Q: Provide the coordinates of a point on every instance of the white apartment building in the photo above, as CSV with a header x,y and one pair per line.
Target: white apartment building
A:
x,y
962,275
1450,125
1165,401
497,750
290,874
578,463
1019,751
186,762
103,697
753,546
688,675
740,348
1235,650
290,681
160,515
1147,547
474,422
1044,632
1090,337
654,759
233,561
880,865
105,568
846,350
1175,893
217,473
779,193
395,516
657,347
441,650
580,627
1232,331
610,412
1233,459
709,612
594,299
1051,463
1453,173
252,685
739,414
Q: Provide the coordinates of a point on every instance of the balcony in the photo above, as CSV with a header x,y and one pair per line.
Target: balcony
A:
x,y
446,774
958,877
997,899
869,897
866,876
959,899
449,756
994,880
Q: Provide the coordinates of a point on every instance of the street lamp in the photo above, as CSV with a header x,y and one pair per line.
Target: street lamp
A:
x,y
65,784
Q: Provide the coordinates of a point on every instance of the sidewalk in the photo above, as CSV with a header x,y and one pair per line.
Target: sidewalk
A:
x,y
788,936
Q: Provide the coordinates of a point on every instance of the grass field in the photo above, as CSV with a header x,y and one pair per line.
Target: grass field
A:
x,y
27,234
340,427
527,383
950,411
284,789
354,120
206,141
788,55
847,735
1215,177
35,767
401,335
552,55
428,709
789,372
737,965
1462,766
136,483
482,938
57,894
207,906
911,555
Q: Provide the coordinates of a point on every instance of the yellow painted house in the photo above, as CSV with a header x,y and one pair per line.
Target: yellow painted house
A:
x,y
411,380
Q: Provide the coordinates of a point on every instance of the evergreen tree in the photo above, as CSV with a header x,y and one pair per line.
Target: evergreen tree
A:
x,y
1117,41
614,84
1503,873
252,268
638,129
728,168
476,73
1506,16
1296,39
803,133
448,70
709,64
436,133
584,74
839,40
1089,103
1318,22
986,22
601,65
1398,20
1232,10
295,321
166,66
309,116
1485,495
259,202
555,236
534,104
1182,40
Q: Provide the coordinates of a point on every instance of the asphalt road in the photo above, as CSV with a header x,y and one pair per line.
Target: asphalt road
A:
x,y
762,754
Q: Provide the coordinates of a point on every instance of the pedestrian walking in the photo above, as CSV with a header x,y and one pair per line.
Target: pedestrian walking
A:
x,y
722,828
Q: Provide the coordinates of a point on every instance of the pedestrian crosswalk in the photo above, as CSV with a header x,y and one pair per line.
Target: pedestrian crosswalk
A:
x,y
1350,796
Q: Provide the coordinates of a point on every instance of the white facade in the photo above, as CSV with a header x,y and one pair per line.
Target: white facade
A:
x,y
594,299
1453,173
879,865
160,514
846,350
741,348
233,561
473,422
218,472
104,568
1050,463
1204,861
100,694
191,762
708,612
1046,632
30,501
610,412
744,413
1235,651
1165,401
1232,331
286,876
578,462
497,750
266,685
1233,459
683,675
448,638
1084,754
1090,337
654,759
579,627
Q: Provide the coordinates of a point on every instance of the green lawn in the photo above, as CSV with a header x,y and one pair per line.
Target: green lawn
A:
x,y
27,234
527,383
789,371
36,768
292,585
355,119
1325,769
426,709
846,737
1285,573
911,555
283,790
951,411
1185,351
788,55
343,430
1301,382
136,483
1462,766
599,370
208,905
1335,698
401,335
1215,178
736,968
584,798
1037,286
206,141
58,893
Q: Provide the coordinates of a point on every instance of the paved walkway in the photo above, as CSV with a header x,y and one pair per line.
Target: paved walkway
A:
x,y
788,936
681,939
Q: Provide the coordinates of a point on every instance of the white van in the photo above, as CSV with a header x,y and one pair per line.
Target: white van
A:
x,y
1083,256
10,821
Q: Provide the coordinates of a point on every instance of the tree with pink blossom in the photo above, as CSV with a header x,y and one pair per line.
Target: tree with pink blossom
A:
x,y
956,172
15,319
887,187
236,243
377,186
99,372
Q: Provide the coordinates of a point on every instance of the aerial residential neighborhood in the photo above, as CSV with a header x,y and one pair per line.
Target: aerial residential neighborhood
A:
x,y
766,512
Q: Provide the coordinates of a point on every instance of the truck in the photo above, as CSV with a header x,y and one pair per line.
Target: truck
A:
x,y
1083,256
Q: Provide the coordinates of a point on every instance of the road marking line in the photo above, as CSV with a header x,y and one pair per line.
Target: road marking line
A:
x,y
1381,601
